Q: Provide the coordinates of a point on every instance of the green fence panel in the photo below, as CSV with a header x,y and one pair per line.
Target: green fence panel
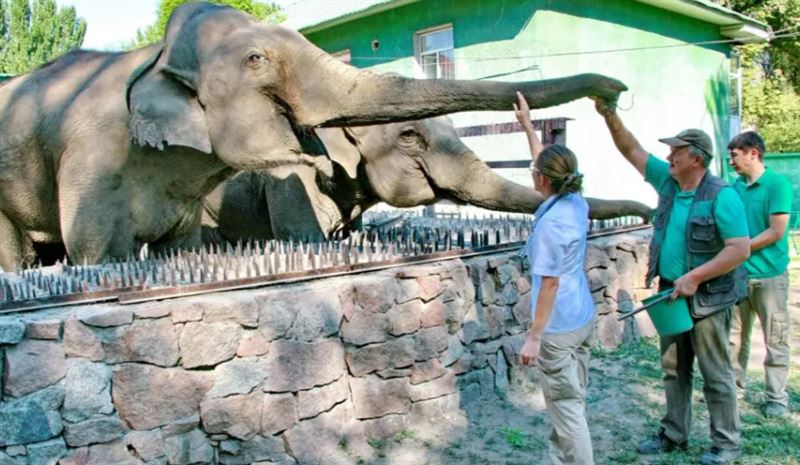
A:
x,y
788,164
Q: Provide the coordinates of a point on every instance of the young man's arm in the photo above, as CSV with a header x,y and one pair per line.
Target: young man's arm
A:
x,y
625,141
777,228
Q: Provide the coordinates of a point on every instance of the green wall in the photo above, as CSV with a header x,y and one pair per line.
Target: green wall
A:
x,y
672,85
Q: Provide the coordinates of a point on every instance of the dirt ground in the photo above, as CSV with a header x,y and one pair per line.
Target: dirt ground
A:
x,y
625,403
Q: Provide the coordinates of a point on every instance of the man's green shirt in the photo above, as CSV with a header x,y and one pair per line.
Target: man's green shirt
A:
x,y
770,194
672,263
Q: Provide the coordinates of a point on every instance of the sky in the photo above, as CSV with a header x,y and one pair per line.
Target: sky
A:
x,y
112,23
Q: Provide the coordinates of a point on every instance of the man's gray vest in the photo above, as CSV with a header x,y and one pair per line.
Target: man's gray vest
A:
x,y
703,242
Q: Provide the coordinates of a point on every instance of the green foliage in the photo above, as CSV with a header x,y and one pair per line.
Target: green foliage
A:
x,y
31,35
771,73
155,32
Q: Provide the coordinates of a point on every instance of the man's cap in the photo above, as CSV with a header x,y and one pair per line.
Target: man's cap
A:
x,y
694,137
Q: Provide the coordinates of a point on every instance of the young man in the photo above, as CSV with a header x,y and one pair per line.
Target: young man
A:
x,y
767,200
698,243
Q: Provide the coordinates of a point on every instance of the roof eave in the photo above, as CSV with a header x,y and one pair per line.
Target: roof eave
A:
x,y
731,24
369,11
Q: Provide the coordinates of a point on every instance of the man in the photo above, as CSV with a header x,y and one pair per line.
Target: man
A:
x,y
767,199
698,243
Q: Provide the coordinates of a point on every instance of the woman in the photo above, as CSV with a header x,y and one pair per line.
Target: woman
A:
x,y
558,339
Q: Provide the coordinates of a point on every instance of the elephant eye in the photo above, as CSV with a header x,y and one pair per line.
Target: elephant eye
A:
x,y
256,59
408,132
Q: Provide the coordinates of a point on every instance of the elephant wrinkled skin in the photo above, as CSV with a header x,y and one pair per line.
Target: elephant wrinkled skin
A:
x,y
109,151
403,164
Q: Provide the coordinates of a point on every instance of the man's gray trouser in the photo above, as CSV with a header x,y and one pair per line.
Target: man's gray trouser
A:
x,y
768,300
708,341
564,363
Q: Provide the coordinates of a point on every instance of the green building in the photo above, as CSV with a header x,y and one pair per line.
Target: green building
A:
x,y
674,55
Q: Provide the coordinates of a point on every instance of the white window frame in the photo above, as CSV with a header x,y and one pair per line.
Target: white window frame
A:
x,y
420,71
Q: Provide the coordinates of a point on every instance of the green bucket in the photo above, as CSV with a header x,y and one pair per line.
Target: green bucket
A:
x,y
669,317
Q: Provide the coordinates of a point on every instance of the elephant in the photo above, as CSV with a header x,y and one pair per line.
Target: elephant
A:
x,y
403,164
108,151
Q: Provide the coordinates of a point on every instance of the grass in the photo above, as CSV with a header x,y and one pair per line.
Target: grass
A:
x,y
774,441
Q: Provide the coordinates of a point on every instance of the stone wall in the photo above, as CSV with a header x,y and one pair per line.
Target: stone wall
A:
x,y
304,373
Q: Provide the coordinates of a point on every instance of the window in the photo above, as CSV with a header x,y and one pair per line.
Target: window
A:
x,y
343,56
435,53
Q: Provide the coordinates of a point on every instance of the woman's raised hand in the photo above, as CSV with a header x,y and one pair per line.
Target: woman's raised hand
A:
x,y
523,111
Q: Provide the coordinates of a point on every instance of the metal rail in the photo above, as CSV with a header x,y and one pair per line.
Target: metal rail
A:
x,y
254,265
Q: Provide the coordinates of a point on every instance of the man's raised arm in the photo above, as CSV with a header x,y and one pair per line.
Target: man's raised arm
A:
x,y
626,143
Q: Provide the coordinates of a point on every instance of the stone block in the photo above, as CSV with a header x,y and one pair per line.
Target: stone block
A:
x,y
609,331
512,346
430,287
426,371
294,366
184,311
317,441
153,310
454,312
32,365
268,449
438,387
394,373
498,319
24,421
14,451
146,397
181,425
43,329
407,289
87,390
600,277
147,445
475,327
484,283
365,327
404,318
278,413
207,344
46,453
521,311
93,431
395,353
438,411
430,342
314,401
318,314
81,341
238,307
375,293
105,316
523,285
375,397
189,448
596,257
238,376
237,416
501,373
151,341
454,351
252,343
275,316
6,459
101,454
433,314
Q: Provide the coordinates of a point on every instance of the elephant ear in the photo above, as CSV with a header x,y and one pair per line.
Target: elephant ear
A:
x,y
342,148
162,92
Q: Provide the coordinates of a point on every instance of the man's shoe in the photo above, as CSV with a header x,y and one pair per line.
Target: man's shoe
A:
x,y
774,410
719,456
660,444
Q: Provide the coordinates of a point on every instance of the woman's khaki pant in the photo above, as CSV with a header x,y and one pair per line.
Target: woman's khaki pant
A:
x,y
564,360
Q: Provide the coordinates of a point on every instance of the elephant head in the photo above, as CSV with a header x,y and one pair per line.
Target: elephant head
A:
x,y
403,164
224,82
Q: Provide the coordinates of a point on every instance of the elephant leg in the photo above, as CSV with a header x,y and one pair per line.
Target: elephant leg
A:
x,y
95,221
15,248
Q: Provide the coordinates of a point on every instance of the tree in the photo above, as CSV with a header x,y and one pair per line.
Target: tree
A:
x,y
35,34
155,32
771,73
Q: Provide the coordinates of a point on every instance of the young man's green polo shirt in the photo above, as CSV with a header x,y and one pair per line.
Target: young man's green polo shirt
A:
x,y
727,213
770,194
